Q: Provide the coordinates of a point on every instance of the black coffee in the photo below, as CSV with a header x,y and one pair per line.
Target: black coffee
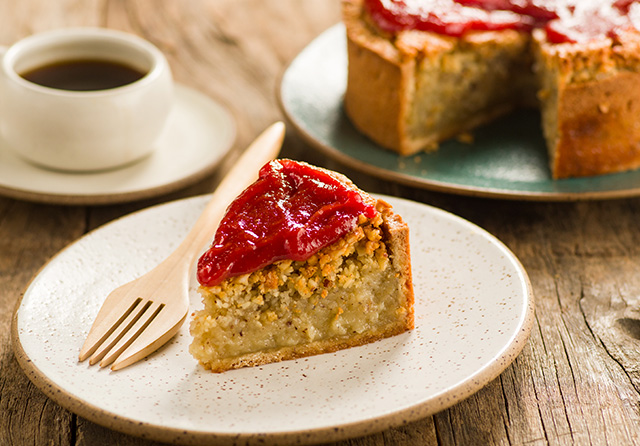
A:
x,y
83,75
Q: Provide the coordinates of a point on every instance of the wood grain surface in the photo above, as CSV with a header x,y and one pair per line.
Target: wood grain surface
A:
x,y
576,382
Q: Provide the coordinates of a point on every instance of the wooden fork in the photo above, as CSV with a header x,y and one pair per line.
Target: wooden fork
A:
x,y
140,316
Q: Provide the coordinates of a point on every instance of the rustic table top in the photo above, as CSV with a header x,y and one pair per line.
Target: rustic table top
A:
x,y
577,381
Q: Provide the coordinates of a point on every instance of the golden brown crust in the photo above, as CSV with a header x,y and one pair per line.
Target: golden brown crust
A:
x,y
592,122
398,241
598,127
376,110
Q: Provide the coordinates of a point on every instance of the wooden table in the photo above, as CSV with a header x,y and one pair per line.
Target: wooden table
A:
x,y
576,382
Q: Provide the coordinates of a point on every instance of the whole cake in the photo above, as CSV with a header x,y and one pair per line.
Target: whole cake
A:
x,y
302,263
422,71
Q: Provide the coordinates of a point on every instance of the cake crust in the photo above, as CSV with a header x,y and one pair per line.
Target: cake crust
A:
x,y
591,114
376,110
598,127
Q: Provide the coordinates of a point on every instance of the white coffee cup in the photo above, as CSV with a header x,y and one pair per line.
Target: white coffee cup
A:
x,y
83,130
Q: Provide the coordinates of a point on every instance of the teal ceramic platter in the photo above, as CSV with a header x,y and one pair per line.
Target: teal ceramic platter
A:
x,y
507,158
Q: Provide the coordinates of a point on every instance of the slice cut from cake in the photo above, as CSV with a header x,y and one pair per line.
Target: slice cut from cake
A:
x,y
303,263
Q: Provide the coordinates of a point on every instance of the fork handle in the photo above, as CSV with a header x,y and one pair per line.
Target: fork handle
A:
x,y
244,172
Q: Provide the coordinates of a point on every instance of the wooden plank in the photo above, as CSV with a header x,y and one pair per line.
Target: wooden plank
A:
x,y
29,236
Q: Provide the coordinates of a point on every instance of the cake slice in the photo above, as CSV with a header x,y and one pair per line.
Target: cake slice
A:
x,y
303,263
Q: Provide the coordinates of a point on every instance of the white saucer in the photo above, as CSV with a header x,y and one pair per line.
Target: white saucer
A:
x,y
199,133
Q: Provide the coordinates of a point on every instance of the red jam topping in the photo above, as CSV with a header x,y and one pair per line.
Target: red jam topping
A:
x,y
291,212
563,20
439,16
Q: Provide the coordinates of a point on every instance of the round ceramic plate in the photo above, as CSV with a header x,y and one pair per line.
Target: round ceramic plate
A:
x,y
507,159
199,133
474,312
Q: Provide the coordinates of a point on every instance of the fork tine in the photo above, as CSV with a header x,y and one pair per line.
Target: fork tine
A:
x,y
118,332
109,318
162,328
136,328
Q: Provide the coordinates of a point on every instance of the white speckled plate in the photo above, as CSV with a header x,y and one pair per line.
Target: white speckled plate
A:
x,y
474,312
198,134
